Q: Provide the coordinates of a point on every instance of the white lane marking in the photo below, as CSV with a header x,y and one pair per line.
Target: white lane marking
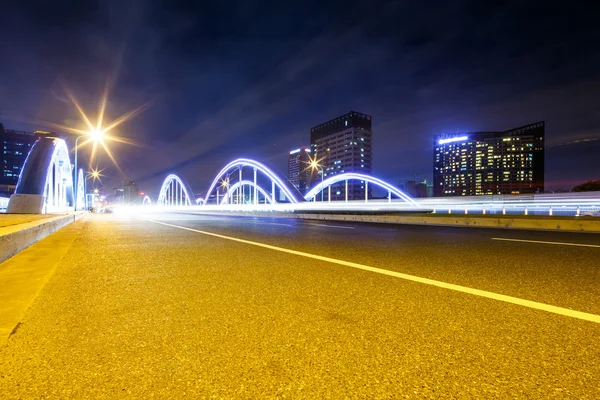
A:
x,y
542,242
464,289
331,226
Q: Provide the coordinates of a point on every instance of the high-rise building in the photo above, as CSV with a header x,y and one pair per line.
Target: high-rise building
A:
x,y
299,172
131,193
344,144
15,148
479,163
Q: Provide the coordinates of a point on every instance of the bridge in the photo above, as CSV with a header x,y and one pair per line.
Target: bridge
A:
x,y
46,185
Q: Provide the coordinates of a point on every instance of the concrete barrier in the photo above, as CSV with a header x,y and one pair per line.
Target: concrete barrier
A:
x,y
15,238
564,224
512,222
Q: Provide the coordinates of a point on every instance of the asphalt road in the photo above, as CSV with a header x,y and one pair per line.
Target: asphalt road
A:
x,y
225,307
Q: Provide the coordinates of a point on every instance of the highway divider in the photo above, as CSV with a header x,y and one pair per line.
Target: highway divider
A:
x,y
14,238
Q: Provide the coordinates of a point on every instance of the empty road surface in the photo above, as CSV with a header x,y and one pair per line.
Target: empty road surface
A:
x,y
176,305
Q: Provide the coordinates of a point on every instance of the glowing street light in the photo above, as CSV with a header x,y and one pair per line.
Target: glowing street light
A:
x,y
95,174
224,185
316,166
97,133
98,137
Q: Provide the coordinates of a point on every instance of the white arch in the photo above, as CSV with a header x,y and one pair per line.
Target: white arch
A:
x,y
286,188
146,201
59,184
172,192
47,175
227,195
354,176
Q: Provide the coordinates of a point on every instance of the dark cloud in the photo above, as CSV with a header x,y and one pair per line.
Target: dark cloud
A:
x,y
239,78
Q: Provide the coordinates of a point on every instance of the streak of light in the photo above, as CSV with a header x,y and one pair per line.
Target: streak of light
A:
x,y
79,109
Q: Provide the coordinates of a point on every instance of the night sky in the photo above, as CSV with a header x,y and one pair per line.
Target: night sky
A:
x,y
240,78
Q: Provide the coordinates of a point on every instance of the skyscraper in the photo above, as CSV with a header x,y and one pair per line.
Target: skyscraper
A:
x,y
299,172
478,163
15,148
343,144
131,194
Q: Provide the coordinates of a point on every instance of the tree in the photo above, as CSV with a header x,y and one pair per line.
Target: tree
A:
x,y
589,186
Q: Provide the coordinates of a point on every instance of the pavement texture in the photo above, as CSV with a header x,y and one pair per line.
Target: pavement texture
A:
x,y
138,309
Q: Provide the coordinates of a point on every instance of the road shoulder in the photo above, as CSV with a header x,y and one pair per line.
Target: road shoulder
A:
x,y
24,275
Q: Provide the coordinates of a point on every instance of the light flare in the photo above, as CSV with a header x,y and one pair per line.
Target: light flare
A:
x,y
313,163
96,174
98,133
79,110
102,108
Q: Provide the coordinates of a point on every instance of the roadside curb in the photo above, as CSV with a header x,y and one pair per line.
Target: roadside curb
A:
x,y
15,238
557,224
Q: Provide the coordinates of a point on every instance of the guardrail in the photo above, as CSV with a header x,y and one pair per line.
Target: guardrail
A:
x,y
553,204
560,204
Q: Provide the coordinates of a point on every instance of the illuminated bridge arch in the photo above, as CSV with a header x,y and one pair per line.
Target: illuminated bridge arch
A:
x,y
292,194
233,189
366,178
146,201
175,192
47,177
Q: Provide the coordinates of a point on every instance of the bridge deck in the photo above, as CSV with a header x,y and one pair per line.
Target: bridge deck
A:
x,y
228,307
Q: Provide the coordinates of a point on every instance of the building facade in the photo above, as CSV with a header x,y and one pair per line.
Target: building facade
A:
x,y
488,163
131,193
299,171
15,148
344,144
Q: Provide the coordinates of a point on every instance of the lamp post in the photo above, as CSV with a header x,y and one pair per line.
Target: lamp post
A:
x,y
94,174
315,165
97,136
76,172
225,185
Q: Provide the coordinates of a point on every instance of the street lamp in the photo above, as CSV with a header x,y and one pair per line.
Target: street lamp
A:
x,y
315,165
225,185
97,136
95,174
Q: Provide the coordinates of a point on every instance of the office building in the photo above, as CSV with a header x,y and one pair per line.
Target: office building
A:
x,y
480,163
343,144
299,171
15,148
131,193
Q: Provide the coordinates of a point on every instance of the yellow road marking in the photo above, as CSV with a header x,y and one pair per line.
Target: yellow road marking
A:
x,y
464,289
